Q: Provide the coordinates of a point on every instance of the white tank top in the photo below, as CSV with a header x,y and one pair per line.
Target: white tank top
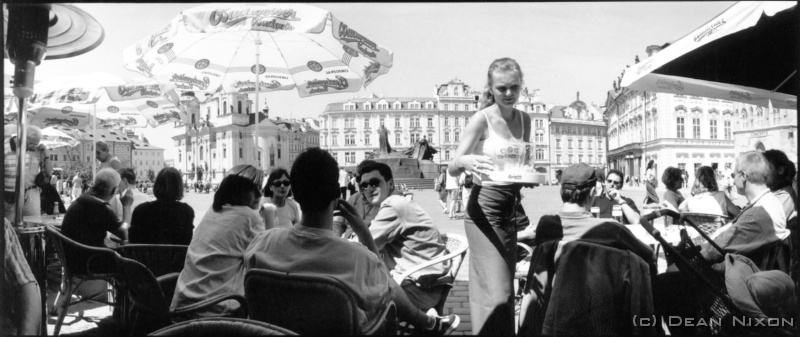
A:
x,y
498,149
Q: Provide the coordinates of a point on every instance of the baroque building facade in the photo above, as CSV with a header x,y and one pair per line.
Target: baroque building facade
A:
x,y
577,135
220,134
764,128
672,130
349,128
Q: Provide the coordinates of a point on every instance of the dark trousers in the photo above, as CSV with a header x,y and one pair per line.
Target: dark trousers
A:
x,y
492,235
344,192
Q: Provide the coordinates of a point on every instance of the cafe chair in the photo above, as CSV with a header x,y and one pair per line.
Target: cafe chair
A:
x,y
310,304
707,223
713,301
150,298
222,326
99,257
589,289
159,259
456,247
524,253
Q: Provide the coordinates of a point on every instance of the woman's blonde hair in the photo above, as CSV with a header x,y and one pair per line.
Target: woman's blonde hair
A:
x,y
249,172
504,64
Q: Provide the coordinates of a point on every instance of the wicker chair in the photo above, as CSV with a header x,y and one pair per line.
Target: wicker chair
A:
x,y
151,303
707,223
159,259
222,326
456,247
101,258
713,299
309,304
521,274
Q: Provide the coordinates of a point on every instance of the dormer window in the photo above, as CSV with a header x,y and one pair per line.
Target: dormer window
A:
x,y
368,106
383,106
429,105
349,106
397,106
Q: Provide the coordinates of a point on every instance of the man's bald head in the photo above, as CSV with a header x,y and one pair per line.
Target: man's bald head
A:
x,y
105,183
33,135
102,151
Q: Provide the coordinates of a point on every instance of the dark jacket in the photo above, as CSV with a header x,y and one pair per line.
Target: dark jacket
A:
x,y
598,291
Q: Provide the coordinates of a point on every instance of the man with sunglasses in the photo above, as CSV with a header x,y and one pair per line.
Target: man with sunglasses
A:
x,y
364,208
611,196
405,235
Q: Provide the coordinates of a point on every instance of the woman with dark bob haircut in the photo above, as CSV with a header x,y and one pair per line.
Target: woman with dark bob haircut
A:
x,y
215,259
165,220
782,178
673,180
277,208
706,196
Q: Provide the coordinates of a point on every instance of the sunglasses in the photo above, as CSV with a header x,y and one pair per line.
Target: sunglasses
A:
x,y
374,182
284,182
615,182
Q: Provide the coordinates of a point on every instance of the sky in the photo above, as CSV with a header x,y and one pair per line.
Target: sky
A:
x,y
563,48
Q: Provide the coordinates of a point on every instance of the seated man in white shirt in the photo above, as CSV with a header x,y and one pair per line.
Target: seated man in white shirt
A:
x,y
404,234
310,247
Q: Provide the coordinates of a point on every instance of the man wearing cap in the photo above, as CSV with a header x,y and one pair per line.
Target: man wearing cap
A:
x,y
611,196
577,187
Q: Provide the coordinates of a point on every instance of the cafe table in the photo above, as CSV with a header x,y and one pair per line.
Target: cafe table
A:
x,y
32,241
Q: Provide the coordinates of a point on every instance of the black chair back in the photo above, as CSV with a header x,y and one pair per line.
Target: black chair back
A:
x,y
99,266
306,304
159,259
223,326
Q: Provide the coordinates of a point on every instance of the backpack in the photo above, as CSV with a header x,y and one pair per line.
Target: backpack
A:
x,y
468,181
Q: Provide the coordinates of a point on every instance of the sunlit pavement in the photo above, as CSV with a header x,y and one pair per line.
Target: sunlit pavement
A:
x,y
84,318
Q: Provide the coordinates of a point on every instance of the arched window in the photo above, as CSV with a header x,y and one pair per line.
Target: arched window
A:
x,y
201,153
240,106
224,108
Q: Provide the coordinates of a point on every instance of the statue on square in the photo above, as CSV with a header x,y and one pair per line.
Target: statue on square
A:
x,y
383,140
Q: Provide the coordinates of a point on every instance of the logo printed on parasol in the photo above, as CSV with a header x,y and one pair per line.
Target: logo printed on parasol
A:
x,y
260,18
318,86
130,90
365,45
740,95
202,64
371,72
113,109
250,86
167,50
261,69
66,110
60,121
710,30
152,104
669,85
183,81
314,66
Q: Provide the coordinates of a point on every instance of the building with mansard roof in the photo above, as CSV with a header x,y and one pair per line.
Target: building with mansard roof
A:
x,y
577,135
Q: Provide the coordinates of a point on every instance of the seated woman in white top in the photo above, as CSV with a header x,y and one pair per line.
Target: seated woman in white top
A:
x,y
707,198
278,210
214,263
782,176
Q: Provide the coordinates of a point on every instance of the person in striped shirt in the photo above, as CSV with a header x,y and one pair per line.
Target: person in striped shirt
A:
x,y
35,158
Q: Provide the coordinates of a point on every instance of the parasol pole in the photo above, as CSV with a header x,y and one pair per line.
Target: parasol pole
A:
x,y
94,141
258,88
21,169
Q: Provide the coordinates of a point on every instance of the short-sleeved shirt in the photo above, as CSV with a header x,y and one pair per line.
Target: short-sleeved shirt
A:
x,y
16,273
87,220
287,215
315,251
606,206
215,259
406,237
